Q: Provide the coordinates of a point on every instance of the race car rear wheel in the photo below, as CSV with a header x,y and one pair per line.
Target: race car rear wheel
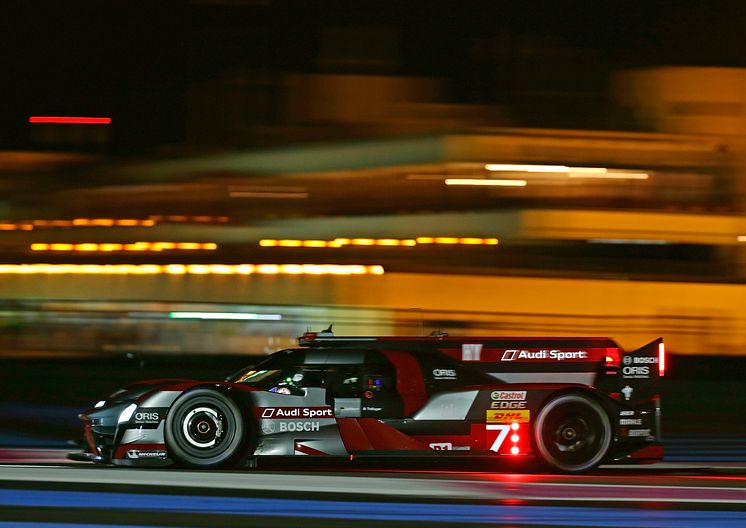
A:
x,y
572,433
204,429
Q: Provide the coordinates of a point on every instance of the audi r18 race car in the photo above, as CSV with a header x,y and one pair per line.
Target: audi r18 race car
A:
x,y
568,403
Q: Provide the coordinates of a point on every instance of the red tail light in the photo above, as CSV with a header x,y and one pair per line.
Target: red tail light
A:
x,y
612,360
661,359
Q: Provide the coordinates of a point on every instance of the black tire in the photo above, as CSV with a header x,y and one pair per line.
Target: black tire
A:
x,y
204,429
572,433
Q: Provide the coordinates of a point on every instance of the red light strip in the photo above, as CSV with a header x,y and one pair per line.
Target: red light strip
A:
x,y
68,120
661,359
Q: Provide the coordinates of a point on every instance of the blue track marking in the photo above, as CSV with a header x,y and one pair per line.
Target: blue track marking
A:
x,y
382,511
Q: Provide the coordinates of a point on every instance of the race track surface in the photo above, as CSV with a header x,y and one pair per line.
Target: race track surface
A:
x,y
50,494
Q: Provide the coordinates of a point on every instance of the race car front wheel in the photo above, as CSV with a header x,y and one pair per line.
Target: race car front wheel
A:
x,y
204,429
572,433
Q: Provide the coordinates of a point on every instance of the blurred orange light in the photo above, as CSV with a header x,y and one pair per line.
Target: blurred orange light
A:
x,y
187,245
290,243
86,247
315,243
363,241
196,269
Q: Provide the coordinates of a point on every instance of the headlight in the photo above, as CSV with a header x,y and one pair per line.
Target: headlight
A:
x,y
100,403
127,413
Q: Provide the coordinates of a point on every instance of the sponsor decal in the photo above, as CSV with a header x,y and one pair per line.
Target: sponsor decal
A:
x,y
471,352
636,372
146,454
146,416
626,413
372,409
638,432
627,392
508,395
368,394
553,355
268,427
508,405
630,421
448,374
639,360
276,413
520,416
448,446
299,426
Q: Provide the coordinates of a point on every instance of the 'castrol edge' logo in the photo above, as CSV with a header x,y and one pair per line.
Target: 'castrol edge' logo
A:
x,y
543,355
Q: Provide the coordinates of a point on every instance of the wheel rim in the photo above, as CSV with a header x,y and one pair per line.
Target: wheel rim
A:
x,y
573,433
202,427
205,429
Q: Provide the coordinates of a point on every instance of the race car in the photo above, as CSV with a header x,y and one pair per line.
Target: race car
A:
x,y
568,404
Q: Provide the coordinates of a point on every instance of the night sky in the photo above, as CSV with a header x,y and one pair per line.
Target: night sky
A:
x,y
135,60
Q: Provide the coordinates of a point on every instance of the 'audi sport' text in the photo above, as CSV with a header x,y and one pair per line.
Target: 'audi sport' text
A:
x,y
556,355
295,412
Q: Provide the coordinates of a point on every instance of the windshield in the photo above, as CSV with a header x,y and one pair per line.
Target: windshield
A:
x,y
284,381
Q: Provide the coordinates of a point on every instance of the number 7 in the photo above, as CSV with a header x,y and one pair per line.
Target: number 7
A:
x,y
503,429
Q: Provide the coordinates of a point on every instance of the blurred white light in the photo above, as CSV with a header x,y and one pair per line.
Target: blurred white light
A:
x,y
486,182
225,316
501,167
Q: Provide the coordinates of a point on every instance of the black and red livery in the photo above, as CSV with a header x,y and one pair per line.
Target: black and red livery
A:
x,y
567,403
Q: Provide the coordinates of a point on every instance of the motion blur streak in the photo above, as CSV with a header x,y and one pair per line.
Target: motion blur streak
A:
x,y
486,182
382,511
384,242
70,120
196,269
